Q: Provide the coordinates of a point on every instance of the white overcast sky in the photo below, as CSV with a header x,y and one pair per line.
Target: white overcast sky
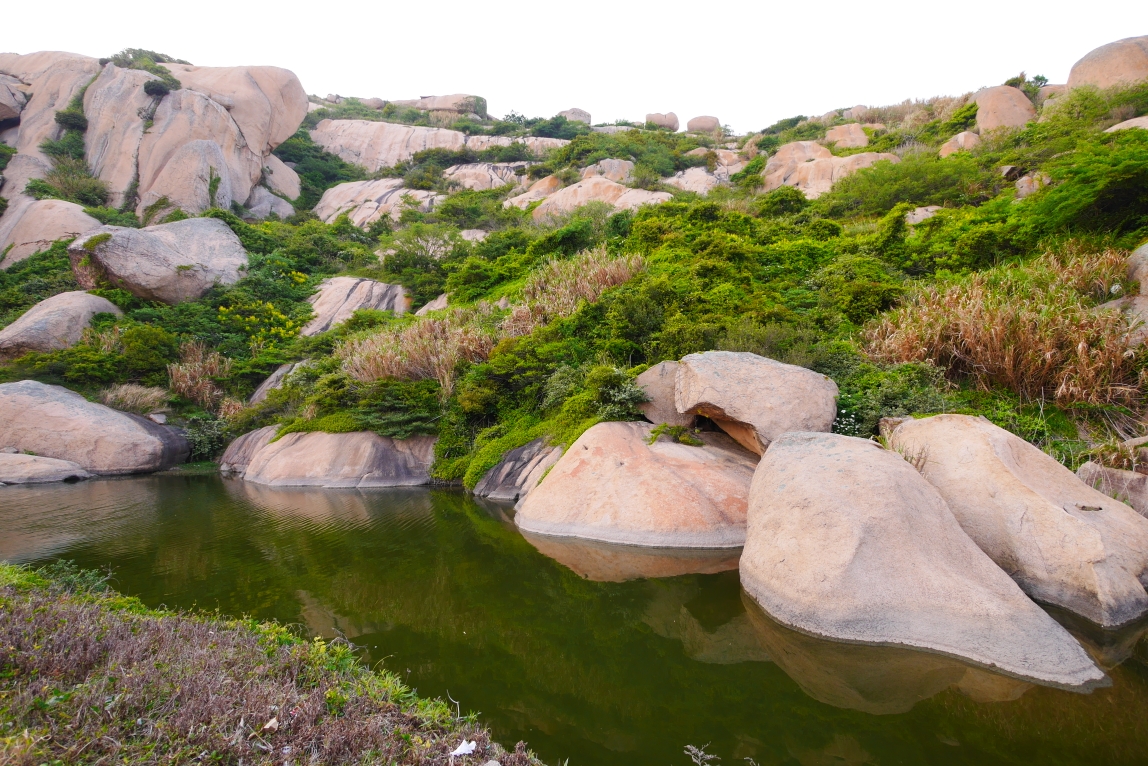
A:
x,y
747,62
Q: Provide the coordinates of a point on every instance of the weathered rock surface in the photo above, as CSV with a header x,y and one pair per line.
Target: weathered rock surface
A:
x,y
31,469
262,203
1135,122
612,486
359,459
597,189
1123,62
576,115
697,180
53,323
1135,310
849,136
919,214
1003,106
813,169
619,171
487,175
669,120
608,562
116,107
752,398
53,79
703,124
847,541
460,103
238,454
437,304
1062,541
280,178
660,384
169,262
31,226
519,472
1129,487
339,297
539,190
13,97
51,421
273,381
367,201
1138,267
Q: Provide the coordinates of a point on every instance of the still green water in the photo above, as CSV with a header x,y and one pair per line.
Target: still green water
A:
x,y
445,591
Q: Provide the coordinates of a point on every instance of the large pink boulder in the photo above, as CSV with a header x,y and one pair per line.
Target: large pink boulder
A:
x,y
1003,106
53,323
1123,62
850,136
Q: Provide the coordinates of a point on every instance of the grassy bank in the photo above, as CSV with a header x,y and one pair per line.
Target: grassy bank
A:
x,y
90,676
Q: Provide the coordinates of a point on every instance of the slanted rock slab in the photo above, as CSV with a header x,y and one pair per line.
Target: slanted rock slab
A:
x,y
31,226
611,485
519,471
1064,542
847,541
660,384
32,469
238,454
754,399
597,189
340,297
51,421
359,459
53,323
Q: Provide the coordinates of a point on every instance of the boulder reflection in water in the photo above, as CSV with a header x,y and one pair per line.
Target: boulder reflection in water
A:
x,y
606,562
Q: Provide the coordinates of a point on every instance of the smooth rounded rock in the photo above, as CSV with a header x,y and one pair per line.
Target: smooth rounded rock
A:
x,y
31,226
53,323
669,120
31,469
619,171
611,485
810,167
280,178
849,136
262,203
1062,541
238,454
1135,122
1123,62
703,124
847,541
359,459
576,115
340,297
597,189
1003,106
660,383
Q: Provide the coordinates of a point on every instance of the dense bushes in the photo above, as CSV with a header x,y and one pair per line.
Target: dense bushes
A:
x,y
920,178
318,170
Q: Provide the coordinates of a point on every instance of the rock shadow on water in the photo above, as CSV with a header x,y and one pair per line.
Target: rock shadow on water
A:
x,y
712,629
609,562
880,680
336,507
1109,647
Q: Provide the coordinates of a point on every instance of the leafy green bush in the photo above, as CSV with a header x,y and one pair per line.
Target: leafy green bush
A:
x,y
156,88
920,178
6,154
318,170
207,436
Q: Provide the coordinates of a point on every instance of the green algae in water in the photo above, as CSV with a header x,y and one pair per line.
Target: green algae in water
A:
x,y
442,589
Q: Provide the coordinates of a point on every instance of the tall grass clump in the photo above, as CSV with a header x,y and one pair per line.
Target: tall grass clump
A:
x,y
194,376
130,397
1031,329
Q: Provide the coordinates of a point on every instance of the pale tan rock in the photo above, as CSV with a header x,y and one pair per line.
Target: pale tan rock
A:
x,y
1030,184
53,323
116,106
1129,487
576,115
849,136
262,203
266,102
437,304
461,103
375,145
919,214
519,472
340,297
1135,122
537,145
487,175
669,120
660,384
21,169
749,147
817,176
359,459
697,180
1049,92
280,178
1062,541
33,225
1135,309
238,454
373,103
752,398
53,79
964,141
539,190
473,235
1003,106
273,381
367,201
31,469
597,189
858,112
1138,267
170,262
607,562
613,487
1123,62
797,152
847,541
51,421
703,124
619,171
13,97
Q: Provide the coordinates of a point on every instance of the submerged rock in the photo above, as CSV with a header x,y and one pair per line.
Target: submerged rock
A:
x,y
847,541
609,562
169,262
613,486
519,471
340,297
32,469
1062,541
51,421
754,399
359,459
53,323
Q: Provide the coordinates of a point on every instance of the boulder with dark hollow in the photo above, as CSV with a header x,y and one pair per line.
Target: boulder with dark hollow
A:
x,y
16,468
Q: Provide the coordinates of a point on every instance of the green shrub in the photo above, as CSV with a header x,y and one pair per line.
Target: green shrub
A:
x,y
920,178
156,88
72,120
784,200
6,154
31,280
207,436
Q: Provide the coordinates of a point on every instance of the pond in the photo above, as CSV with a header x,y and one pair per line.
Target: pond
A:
x,y
583,665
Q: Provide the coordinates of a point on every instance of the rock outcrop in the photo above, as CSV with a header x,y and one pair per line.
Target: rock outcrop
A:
x,y
849,136
1135,122
619,171
597,189
576,115
697,180
272,382
13,97
1135,310
31,469
458,103
1030,184
280,178
262,203
53,323
1062,541
703,124
31,226
539,190
238,454
1123,62
340,297
51,79
359,459
752,398
437,304
487,175
519,472
847,541
1129,487
660,383
669,120
367,201
1003,106
919,214
813,169
169,262
613,486
51,421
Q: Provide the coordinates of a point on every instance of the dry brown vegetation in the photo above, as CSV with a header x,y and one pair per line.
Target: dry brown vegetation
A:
x,y
130,397
193,377
1031,329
